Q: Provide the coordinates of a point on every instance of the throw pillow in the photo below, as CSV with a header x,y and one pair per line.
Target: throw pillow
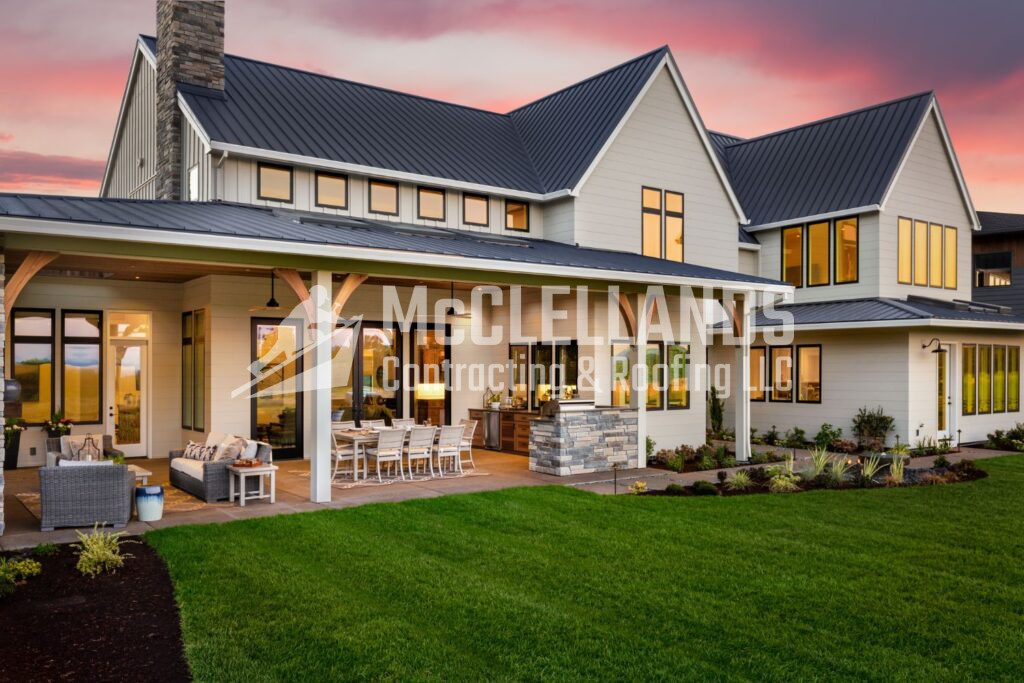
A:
x,y
198,451
231,450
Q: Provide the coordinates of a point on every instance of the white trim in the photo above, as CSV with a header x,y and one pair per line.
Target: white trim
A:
x,y
870,208
115,142
144,49
236,243
965,195
750,247
918,322
669,62
190,117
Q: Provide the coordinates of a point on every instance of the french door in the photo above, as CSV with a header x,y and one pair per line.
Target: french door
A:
x,y
366,364
127,396
276,403
944,393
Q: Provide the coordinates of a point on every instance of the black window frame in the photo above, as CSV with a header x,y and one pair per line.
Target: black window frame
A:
x,y
668,379
664,225
280,167
782,254
525,205
663,392
765,384
796,373
316,189
37,339
834,255
805,266
487,209
628,343
975,267
419,204
771,374
96,341
369,196
660,213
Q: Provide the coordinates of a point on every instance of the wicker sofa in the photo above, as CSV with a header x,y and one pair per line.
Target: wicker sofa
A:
x,y
85,495
208,480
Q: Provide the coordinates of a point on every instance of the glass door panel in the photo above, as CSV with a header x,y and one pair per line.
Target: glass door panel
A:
x,y
277,399
379,370
342,355
430,395
127,400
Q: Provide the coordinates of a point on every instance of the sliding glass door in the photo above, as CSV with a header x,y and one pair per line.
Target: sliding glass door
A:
x,y
431,397
277,393
366,364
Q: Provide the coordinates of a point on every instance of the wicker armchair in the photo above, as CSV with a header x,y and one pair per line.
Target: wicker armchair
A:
x,y
53,451
83,496
214,484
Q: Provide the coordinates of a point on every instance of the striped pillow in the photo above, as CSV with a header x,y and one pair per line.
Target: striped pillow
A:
x,y
199,451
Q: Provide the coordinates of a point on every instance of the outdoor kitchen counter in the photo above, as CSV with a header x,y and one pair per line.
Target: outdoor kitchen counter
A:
x,y
579,440
504,429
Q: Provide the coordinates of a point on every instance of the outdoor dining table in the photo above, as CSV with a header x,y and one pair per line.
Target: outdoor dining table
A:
x,y
360,439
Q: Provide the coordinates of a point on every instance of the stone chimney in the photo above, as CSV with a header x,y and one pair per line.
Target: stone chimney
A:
x,y
189,49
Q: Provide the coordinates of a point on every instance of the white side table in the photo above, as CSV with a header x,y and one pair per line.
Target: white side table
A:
x,y
241,473
142,475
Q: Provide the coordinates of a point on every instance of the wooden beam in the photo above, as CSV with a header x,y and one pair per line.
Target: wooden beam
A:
x,y
348,288
732,310
626,308
33,263
294,280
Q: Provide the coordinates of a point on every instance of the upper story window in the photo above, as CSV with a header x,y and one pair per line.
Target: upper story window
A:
x,y
661,226
475,209
384,197
993,270
331,190
274,183
829,248
517,215
927,254
430,203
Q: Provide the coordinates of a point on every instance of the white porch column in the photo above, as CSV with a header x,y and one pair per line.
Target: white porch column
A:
x,y
741,382
638,360
317,389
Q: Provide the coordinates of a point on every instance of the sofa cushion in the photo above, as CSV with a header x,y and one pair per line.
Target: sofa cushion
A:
x,y
230,449
215,438
250,448
198,451
193,468
64,462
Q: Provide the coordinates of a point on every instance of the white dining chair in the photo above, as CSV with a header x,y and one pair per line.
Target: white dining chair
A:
x,y
373,424
421,448
390,443
448,447
342,425
467,442
403,422
341,453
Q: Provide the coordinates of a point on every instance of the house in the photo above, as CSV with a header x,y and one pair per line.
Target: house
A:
x,y
999,260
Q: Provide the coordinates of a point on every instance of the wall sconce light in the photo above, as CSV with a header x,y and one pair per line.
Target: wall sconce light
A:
x,y
938,348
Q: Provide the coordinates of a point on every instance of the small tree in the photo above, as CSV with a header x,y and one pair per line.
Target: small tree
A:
x,y
716,411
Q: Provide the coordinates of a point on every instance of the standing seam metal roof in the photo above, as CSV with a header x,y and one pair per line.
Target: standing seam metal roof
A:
x,y
883,309
995,223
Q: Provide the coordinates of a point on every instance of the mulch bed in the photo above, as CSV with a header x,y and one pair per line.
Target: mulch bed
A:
x,y
63,626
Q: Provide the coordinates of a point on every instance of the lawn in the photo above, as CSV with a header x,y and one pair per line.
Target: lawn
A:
x,y
921,583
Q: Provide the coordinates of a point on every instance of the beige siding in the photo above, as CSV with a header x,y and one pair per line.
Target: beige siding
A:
x,y
658,146
926,190
749,262
559,217
133,161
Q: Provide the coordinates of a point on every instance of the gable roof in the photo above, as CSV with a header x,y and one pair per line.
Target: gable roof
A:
x,y
541,148
996,223
225,225
836,164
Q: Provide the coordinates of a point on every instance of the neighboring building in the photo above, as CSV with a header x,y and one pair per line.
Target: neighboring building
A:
x,y
999,260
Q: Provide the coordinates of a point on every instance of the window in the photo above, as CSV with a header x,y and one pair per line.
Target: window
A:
x,y
984,380
517,216
32,360
193,370
676,361
430,396
758,373
193,183
384,197
621,375
1013,379
950,259
430,203
651,227
673,226
475,210
808,372
935,262
999,379
846,247
968,382
817,254
905,248
993,270
331,190
782,373
920,253
655,382
792,256
81,372
555,371
274,183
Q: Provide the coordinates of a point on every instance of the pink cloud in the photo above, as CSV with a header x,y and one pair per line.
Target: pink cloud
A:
x,y
21,169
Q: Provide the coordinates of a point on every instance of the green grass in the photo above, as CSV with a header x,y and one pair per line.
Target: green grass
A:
x,y
921,584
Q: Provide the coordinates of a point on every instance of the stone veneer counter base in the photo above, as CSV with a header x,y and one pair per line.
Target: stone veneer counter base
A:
x,y
584,441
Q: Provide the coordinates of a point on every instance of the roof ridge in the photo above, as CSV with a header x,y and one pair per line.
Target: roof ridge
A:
x,y
834,117
906,306
663,48
724,135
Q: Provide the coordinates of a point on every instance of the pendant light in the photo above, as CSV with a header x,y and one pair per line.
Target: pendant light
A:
x,y
450,311
271,304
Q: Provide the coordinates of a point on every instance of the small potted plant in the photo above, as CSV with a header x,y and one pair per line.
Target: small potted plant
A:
x,y
13,427
494,399
58,426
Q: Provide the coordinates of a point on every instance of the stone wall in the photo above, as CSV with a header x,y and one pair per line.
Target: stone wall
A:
x,y
584,441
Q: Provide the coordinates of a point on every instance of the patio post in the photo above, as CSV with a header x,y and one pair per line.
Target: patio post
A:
x,y
638,398
318,390
741,385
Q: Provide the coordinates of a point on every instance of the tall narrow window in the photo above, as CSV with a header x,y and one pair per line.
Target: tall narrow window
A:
x,y
622,375
817,254
81,336
187,376
935,263
32,361
475,210
905,249
968,384
331,190
808,367
655,379
651,228
519,358
920,253
274,182
430,204
846,240
383,197
1013,379
984,380
792,256
673,226
676,362
517,216
430,395
999,379
950,274
782,373
193,370
758,373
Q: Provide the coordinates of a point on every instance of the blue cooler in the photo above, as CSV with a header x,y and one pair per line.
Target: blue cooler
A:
x,y
149,503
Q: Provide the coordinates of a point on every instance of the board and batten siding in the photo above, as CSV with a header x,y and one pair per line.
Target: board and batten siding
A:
x,y
129,178
658,146
926,190
194,153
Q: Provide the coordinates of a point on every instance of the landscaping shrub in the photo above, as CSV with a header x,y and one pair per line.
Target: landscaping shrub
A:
x,y
941,462
1007,440
99,551
45,550
869,469
759,475
843,446
765,457
819,461
871,427
900,448
638,487
704,488
826,435
795,438
650,448
716,411
675,490
837,470
722,476
783,482
895,476
965,469
771,437
13,571
739,481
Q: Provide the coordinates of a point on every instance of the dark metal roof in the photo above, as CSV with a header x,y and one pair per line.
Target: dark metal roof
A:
x,y
843,162
913,308
244,221
542,147
994,223
747,238
722,140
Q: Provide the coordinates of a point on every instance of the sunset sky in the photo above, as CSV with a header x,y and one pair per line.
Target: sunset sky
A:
x,y
753,66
